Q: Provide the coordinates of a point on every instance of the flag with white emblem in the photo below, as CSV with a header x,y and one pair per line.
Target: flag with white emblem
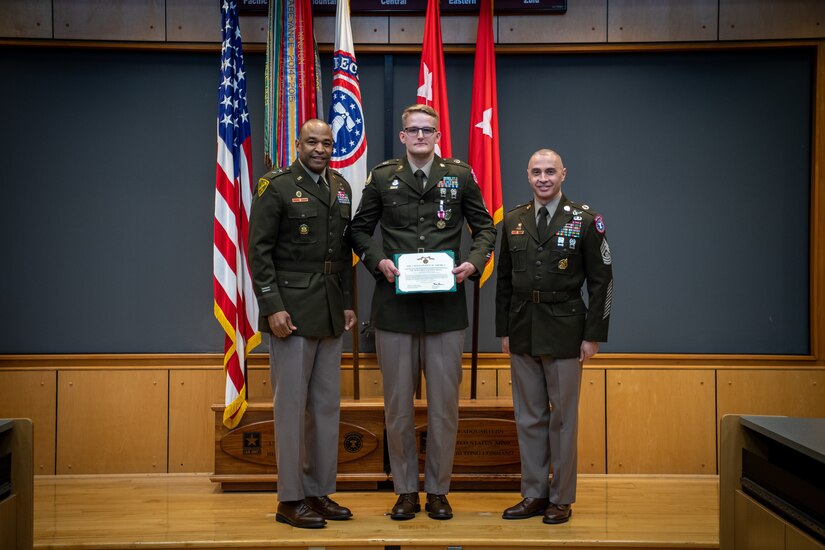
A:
x,y
432,81
235,305
484,146
346,117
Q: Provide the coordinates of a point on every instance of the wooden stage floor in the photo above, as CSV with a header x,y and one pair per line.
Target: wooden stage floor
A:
x,y
188,511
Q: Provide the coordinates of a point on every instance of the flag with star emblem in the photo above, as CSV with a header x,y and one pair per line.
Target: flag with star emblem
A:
x,y
484,146
432,82
346,117
292,83
235,305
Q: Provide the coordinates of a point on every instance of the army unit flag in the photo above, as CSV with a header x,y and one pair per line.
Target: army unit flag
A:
x,y
235,305
346,116
432,82
292,83
484,154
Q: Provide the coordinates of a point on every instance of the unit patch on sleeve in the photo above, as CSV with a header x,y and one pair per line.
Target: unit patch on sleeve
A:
x,y
263,183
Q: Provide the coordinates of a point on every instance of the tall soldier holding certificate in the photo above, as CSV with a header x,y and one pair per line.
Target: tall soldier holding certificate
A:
x,y
422,203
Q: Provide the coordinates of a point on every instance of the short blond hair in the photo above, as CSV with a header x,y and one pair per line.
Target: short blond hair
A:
x,y
418,108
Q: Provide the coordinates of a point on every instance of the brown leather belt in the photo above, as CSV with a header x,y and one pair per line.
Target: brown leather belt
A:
x,y
311,267
538,296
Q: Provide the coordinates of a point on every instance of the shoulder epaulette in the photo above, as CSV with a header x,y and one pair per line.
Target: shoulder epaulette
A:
x,y
459,162
276,173
520,206
388,162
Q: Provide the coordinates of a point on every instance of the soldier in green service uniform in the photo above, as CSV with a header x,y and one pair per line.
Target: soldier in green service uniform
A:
x,y
302,274
422,203
550,246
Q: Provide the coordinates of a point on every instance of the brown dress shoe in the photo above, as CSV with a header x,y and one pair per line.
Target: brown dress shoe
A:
x,y
328,508
527,508
405,507
557,513
438,507
297,514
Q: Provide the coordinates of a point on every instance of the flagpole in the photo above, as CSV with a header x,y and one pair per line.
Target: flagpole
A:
x,y
356,378
474,357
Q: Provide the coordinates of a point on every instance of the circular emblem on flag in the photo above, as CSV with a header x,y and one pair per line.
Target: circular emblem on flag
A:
x,y
347,122
599,224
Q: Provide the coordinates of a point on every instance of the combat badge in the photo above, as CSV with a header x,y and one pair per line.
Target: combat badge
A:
x,y
263,183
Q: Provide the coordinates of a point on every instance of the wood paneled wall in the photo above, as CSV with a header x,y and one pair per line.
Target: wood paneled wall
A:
x,y
586,21
153,418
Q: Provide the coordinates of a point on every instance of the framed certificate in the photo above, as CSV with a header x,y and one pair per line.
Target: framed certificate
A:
x,y
425,272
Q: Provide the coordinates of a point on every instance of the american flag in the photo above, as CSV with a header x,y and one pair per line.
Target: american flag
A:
x,y
235,306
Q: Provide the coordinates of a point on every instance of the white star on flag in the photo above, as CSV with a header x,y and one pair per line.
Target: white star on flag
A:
x,y
426,90
485,126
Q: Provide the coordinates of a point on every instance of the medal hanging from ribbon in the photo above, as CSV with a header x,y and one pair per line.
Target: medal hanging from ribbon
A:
x,y
441,224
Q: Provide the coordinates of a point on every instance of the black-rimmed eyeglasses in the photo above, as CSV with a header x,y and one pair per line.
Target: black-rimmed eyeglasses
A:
x,y
412,131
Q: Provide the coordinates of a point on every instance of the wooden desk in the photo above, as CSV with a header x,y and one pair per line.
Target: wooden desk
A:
x,y
746,523
17,508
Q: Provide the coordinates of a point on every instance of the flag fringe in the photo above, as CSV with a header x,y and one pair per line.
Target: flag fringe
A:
x,y
234,411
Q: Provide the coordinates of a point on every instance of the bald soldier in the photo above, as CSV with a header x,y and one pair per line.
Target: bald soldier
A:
x,y
301,270
550,246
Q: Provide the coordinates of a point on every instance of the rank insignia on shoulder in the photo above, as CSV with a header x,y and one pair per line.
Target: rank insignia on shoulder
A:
x,y
263,183
586,207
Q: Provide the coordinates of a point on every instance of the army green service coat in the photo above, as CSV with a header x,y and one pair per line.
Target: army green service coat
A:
x,y
409,218
298,254
538,292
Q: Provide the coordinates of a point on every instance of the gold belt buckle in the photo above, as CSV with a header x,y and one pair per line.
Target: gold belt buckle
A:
x,y
536,297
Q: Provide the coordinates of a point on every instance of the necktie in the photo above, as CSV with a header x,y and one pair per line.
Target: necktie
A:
x,y
419,177
322,184
542,224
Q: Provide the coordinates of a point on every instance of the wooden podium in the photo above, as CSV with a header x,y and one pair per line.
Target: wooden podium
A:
x,y
486,456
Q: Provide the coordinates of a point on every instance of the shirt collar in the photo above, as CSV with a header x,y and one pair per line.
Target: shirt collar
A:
x,y
550,206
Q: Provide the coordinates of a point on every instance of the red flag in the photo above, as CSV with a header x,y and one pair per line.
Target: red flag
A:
x,y
432,83
484,149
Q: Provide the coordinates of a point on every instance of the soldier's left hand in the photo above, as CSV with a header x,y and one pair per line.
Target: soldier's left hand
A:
x,y
349,319
463,271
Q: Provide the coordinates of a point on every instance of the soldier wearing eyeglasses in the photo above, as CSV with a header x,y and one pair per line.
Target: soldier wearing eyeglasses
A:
x,y
422,203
